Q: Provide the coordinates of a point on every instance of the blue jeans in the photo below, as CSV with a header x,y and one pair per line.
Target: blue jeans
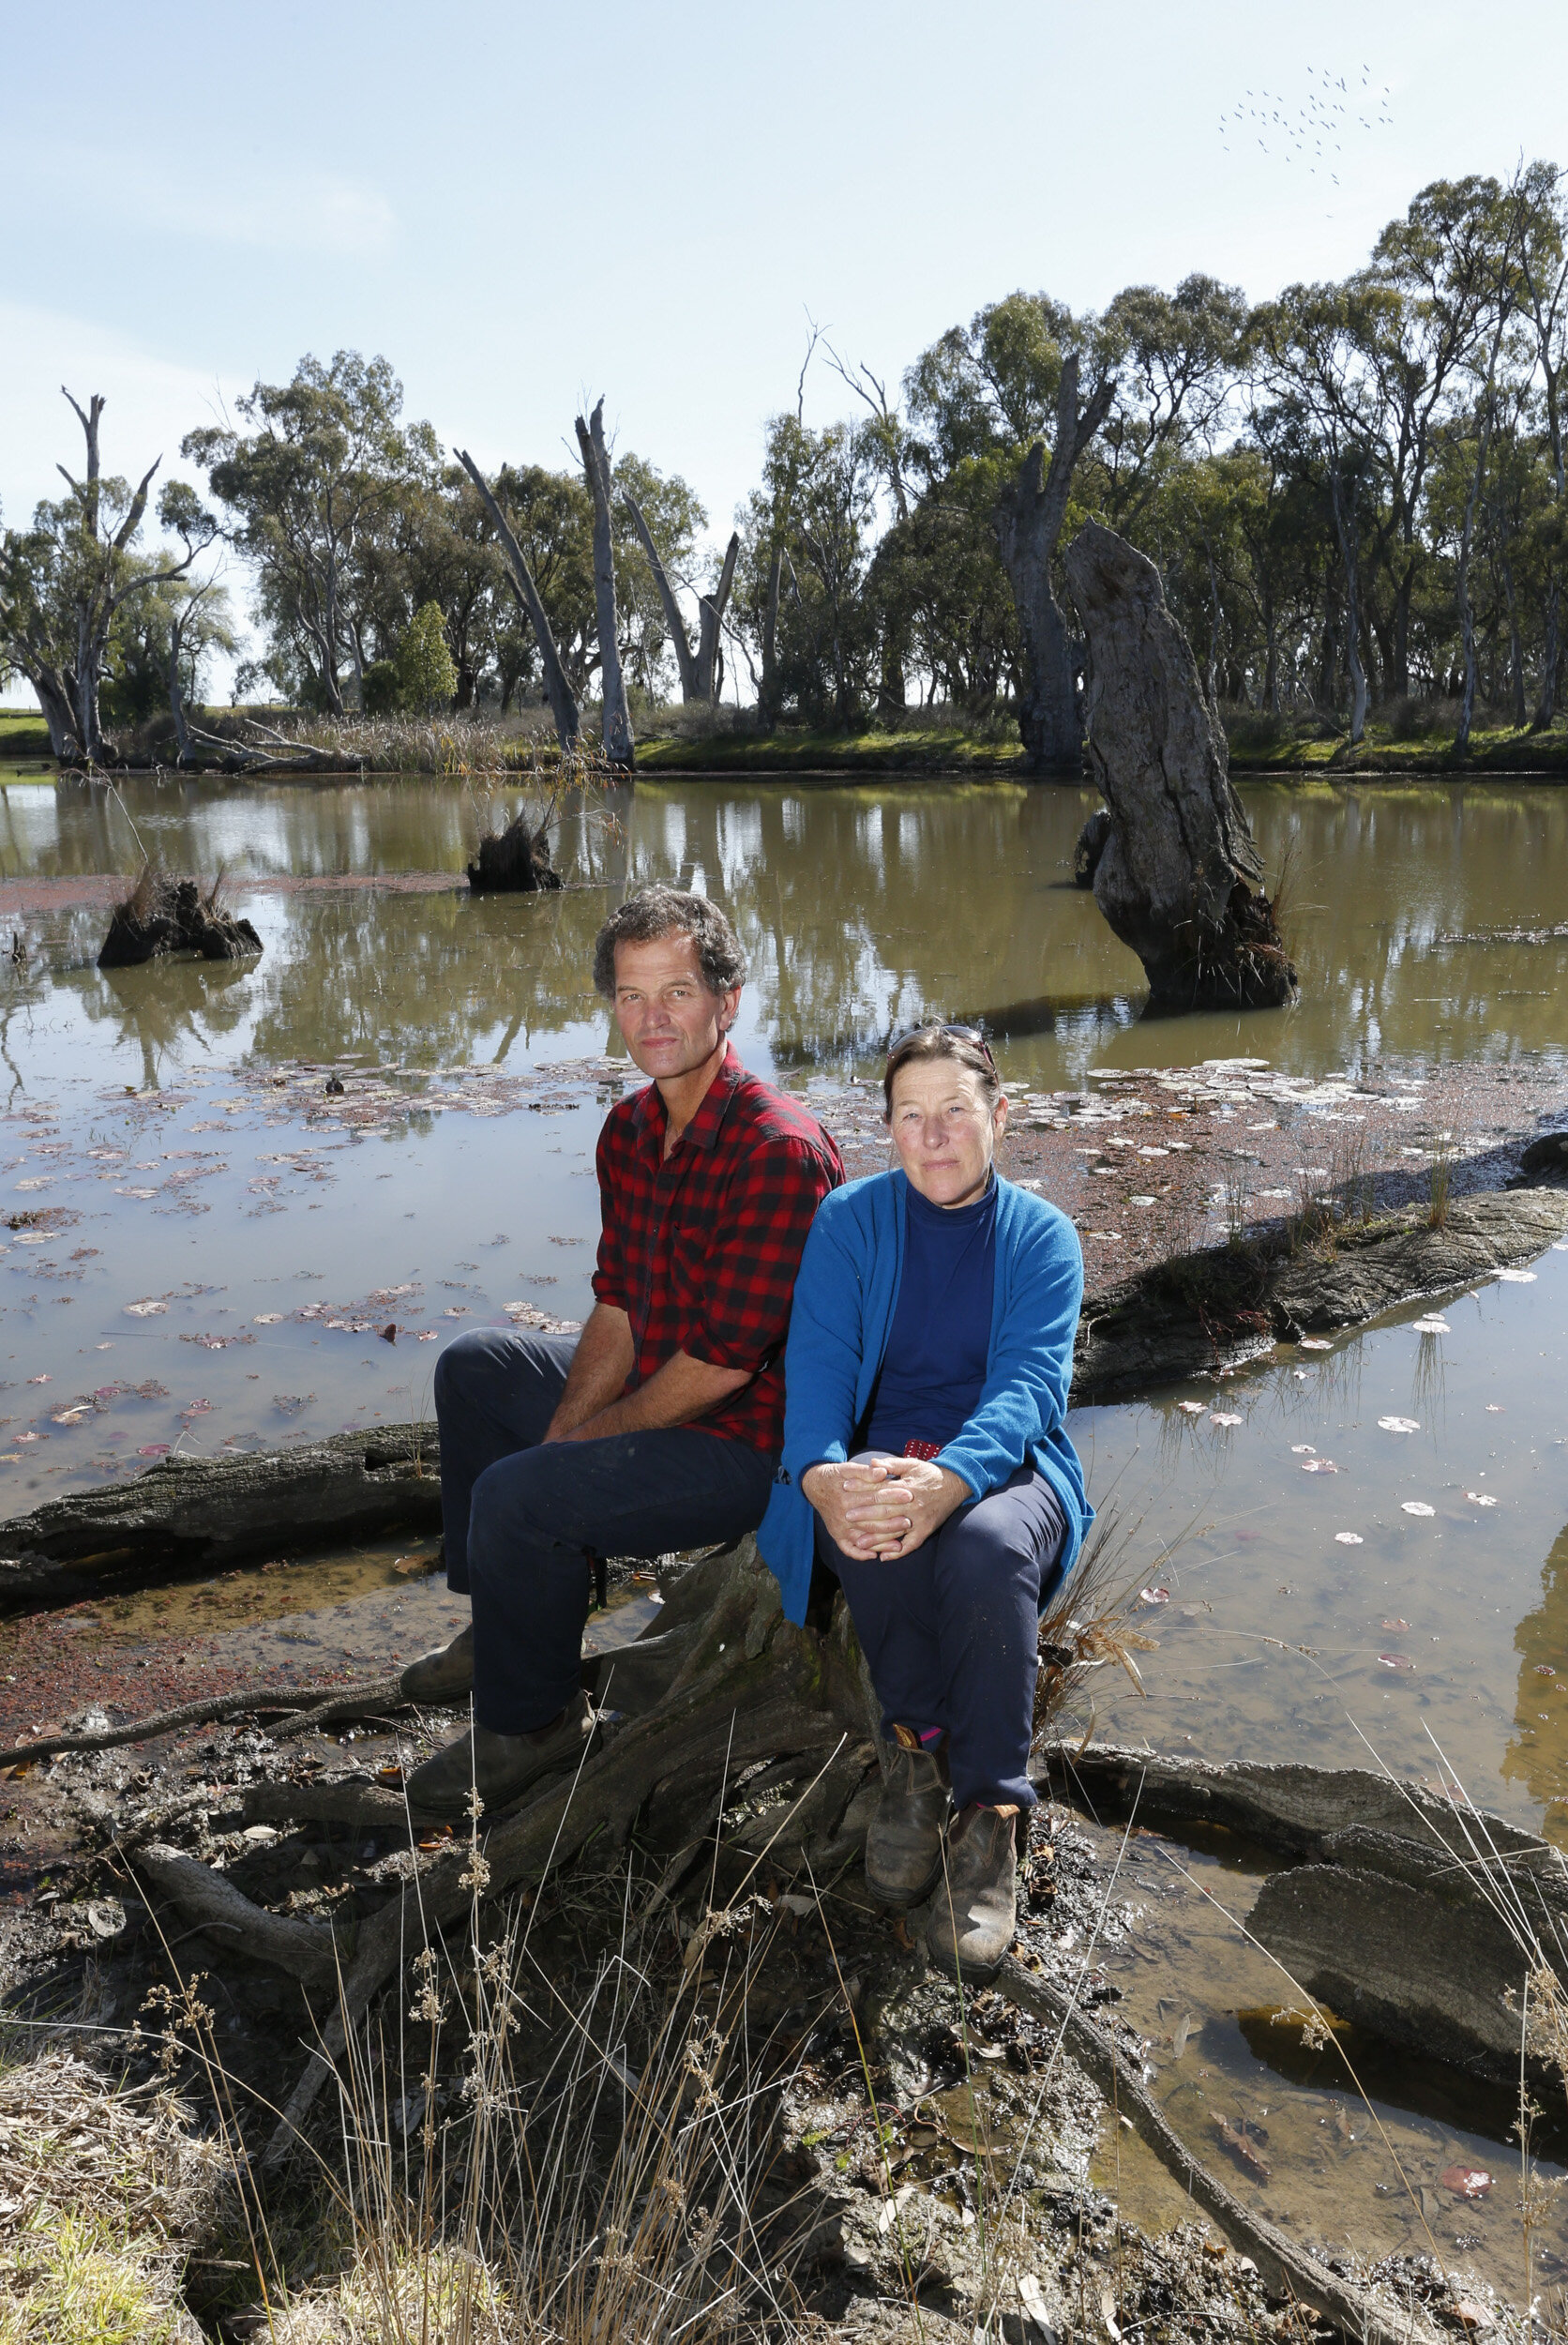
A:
x,y
951,1634
522,1520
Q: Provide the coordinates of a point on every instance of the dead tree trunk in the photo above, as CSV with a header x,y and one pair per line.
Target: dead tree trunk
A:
x,y
1029,517
619,748
710,624
1179,877
563,703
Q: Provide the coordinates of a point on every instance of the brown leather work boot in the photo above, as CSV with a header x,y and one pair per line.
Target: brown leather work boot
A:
x,y
445,1674
974,1911
903,1847
501,1766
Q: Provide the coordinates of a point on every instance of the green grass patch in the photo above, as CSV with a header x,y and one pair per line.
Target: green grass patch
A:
x,y
793,749
1259,745
23,736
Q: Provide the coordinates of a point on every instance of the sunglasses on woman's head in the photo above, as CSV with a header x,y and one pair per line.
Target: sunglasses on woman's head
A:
x,y
960,1033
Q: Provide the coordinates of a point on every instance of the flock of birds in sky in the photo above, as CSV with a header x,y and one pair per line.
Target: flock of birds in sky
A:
x,y
1316,131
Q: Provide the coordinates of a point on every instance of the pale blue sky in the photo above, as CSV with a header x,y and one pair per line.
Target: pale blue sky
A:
x,y
524,207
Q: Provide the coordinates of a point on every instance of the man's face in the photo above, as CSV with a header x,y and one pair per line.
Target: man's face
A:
x,y
672,1022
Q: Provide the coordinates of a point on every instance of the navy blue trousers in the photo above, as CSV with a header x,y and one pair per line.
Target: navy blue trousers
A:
x,y
951,1634
522,1519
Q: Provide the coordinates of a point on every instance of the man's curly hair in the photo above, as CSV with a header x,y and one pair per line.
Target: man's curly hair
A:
x,y
660,910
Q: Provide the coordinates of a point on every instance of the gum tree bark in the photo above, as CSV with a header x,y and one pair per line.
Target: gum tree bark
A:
x,y
563,703
701,671
1029,517
1178,878
619,747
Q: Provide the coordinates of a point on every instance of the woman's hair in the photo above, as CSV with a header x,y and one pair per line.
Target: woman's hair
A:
x,y
660,910
963,1045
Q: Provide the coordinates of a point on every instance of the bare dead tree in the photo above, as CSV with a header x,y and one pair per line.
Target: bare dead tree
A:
x,y
619,747
1029,516
563,702
59,637
702,669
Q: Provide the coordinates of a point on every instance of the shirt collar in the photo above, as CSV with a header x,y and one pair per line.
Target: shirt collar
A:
x,y
651,1117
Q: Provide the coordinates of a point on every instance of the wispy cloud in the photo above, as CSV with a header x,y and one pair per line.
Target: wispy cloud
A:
x,y
269,208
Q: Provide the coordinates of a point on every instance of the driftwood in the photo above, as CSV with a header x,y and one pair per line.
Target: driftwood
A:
x,y
163,915
1179,878
513,862
1287,2270
1209,1309
1415,1917
186,1514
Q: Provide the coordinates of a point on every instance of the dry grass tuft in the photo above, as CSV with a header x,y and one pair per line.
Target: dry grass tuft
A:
x,y
103,2194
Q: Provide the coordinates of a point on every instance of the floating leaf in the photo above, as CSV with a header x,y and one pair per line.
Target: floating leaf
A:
x,y
1416,1507
1466,2182
268,1319
1319,1465
1225,1416
1399,1425
1315,1344
155,1449
1349,1539
1493,1408
1153,1595
1191,1408
1431,1326
41,1380
1545,1668
1396,1662
1303,1449
1481,1498
1518,1277
149,1308
1397,1623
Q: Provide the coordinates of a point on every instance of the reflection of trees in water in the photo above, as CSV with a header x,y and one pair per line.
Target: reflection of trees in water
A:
x,y
864,911
1538,1754
174,1012
423,977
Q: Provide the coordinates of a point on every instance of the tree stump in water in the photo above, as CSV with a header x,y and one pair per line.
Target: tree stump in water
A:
x,y
512,862
163,915
1179,877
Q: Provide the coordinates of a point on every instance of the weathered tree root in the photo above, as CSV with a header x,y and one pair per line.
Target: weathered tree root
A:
x,y
306,1951
163,915
754,1688
1285,2269
513,862
320,1703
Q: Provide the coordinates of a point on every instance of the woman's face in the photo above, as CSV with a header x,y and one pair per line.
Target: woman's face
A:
x,y
943,1129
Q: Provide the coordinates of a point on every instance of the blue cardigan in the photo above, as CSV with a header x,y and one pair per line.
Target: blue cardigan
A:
x,y
845,1297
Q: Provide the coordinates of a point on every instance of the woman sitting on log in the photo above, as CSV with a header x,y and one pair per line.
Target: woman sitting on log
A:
x,y
927,1463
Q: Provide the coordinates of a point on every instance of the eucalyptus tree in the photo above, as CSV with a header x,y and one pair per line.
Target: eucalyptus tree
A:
x,y
1312,358
69,582
313,487
665,519
1543,265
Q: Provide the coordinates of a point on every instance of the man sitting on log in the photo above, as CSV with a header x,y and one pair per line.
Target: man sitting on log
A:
x,y
659,1427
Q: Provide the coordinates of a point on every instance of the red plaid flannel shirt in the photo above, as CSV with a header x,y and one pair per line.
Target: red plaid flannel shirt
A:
x,y
701,1252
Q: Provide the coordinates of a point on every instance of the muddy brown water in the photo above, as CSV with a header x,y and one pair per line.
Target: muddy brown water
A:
x,y
216,1240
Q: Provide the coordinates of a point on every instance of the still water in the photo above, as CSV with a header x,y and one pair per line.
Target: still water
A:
x,y
214,1240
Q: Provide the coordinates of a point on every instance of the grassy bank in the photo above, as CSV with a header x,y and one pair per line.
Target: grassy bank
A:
x,y
1261,745
794,750
22,737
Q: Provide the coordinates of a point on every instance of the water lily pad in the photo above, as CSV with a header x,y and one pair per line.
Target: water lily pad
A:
x,y
1416,1507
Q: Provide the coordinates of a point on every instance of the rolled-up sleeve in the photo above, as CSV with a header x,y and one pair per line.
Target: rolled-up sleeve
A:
x,y
753,1254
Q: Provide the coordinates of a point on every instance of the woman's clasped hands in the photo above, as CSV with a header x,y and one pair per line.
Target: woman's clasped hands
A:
x,y
881,1509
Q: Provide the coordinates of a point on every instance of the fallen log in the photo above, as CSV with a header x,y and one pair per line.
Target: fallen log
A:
x,y
1418,1917
1201,1312
1287,2270
195,1514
